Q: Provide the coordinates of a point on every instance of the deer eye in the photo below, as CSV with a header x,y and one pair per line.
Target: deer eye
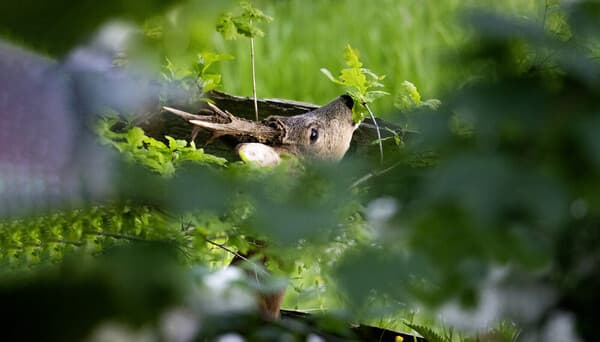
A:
x,y
314,135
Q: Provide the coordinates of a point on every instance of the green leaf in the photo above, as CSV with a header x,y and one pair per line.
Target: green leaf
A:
x,y
154,153
135,137
359,111
247,29
226,27
409,98
357,82
244,24
175,144
327,73
431,104
253,13
373,75
411,91
354,78
373,95
210,82
351,57
427,333
207,58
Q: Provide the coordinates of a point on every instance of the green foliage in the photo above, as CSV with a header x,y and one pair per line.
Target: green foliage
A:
x,y
198,75
209,80
158,156
556,21
36,241
244,24
428,333
409,99
404,40
57,26
410,104
359,82
504,332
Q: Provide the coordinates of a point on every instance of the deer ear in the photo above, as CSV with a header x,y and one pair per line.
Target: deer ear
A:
x,y
259,154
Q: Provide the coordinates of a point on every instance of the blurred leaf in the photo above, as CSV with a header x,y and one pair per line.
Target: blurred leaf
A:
x,y
427,333
253,13
132,284
583,16
57,26
330,76
226,27
243,24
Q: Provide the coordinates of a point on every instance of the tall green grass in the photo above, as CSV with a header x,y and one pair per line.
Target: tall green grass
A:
x,y
405,40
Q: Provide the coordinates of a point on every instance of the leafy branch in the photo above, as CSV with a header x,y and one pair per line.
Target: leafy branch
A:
x,y
360,83
209,80
155,154
409,99
244,25
199,73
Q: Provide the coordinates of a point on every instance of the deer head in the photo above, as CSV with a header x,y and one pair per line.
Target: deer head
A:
x,y
322,134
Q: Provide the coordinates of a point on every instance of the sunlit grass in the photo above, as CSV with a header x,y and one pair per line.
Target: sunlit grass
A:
x,y
405,40
402,39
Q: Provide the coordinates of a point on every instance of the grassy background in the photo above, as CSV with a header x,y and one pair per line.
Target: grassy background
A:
x,y
404,40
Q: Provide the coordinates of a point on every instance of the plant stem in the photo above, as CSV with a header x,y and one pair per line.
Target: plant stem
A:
x,y
373,174
116,235
257,268
378,132
253,78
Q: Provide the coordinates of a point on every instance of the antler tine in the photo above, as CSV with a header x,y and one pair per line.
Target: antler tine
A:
x,y
233,125
185,115
219,111
212,126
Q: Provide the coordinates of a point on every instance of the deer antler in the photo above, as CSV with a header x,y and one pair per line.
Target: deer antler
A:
x,y
225,123
323,133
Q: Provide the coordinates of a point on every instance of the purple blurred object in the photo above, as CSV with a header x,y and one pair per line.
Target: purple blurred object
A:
x,y
48,156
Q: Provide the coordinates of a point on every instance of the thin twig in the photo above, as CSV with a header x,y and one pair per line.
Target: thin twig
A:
x,y
378,132
67,242
115,235
227,249
256,267
189,228
373,174
253,78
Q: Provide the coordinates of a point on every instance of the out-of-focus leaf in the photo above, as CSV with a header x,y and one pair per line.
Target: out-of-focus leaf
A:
x,y
244,24
253,13
57,26
134,284
583,16
227,27
330,76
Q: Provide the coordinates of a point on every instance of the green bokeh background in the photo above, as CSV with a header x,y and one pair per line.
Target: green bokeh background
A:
x,y
404,40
